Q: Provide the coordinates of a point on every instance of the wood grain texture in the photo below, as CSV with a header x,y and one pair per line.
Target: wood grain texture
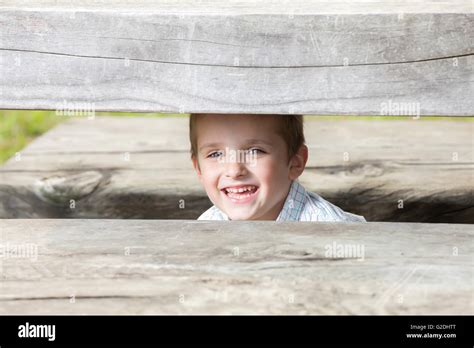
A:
x,y
427,164
283,57
145,267
242,7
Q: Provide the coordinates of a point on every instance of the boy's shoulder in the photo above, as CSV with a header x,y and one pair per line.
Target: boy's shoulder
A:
x,y
302,205
326,211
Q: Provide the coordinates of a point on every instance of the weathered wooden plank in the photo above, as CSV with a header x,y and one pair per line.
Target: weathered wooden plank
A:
x,y
312,57
245,7
131,266
428,165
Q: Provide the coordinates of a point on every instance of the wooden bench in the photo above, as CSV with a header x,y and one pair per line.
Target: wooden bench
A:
x,y
411,58
196,267
310,57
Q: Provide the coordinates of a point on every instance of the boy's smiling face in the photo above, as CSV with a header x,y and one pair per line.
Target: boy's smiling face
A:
x,y
265,180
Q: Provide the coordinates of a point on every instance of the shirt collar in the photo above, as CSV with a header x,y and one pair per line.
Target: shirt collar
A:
x,y
293,204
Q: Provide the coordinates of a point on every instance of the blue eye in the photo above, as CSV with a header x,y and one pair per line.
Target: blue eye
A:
x,y
214,154
255,151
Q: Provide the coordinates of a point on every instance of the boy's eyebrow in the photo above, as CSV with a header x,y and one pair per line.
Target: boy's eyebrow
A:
x,y
247,142
209,145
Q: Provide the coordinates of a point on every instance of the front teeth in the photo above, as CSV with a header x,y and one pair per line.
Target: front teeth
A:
x,y
242,189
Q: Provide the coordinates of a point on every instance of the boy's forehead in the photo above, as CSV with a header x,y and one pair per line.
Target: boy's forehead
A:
x,y
239,120
249,127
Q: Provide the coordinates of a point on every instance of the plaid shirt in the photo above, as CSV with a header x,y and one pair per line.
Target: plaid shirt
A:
x,y
300,205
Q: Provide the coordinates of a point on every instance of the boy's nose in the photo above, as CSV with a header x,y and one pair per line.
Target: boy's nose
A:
x,y
235,170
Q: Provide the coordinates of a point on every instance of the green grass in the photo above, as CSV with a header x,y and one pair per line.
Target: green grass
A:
x,y
19,127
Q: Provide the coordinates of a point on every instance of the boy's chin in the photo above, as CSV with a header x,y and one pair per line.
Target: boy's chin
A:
x,y
240,216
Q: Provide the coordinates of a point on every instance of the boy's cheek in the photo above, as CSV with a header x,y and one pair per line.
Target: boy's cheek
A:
x,y
268,170
208,179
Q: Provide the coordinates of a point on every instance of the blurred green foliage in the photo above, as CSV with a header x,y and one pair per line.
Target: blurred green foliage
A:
x,y
18,128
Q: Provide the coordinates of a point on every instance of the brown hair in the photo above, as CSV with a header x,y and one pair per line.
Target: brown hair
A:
x,y
291,130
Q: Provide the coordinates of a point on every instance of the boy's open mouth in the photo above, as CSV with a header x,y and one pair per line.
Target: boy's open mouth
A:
x,y
241,193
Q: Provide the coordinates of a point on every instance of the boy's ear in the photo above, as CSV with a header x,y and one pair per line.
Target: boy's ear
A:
x,y
196,166
298,162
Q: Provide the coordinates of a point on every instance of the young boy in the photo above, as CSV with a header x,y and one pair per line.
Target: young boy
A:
x,y
249,166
